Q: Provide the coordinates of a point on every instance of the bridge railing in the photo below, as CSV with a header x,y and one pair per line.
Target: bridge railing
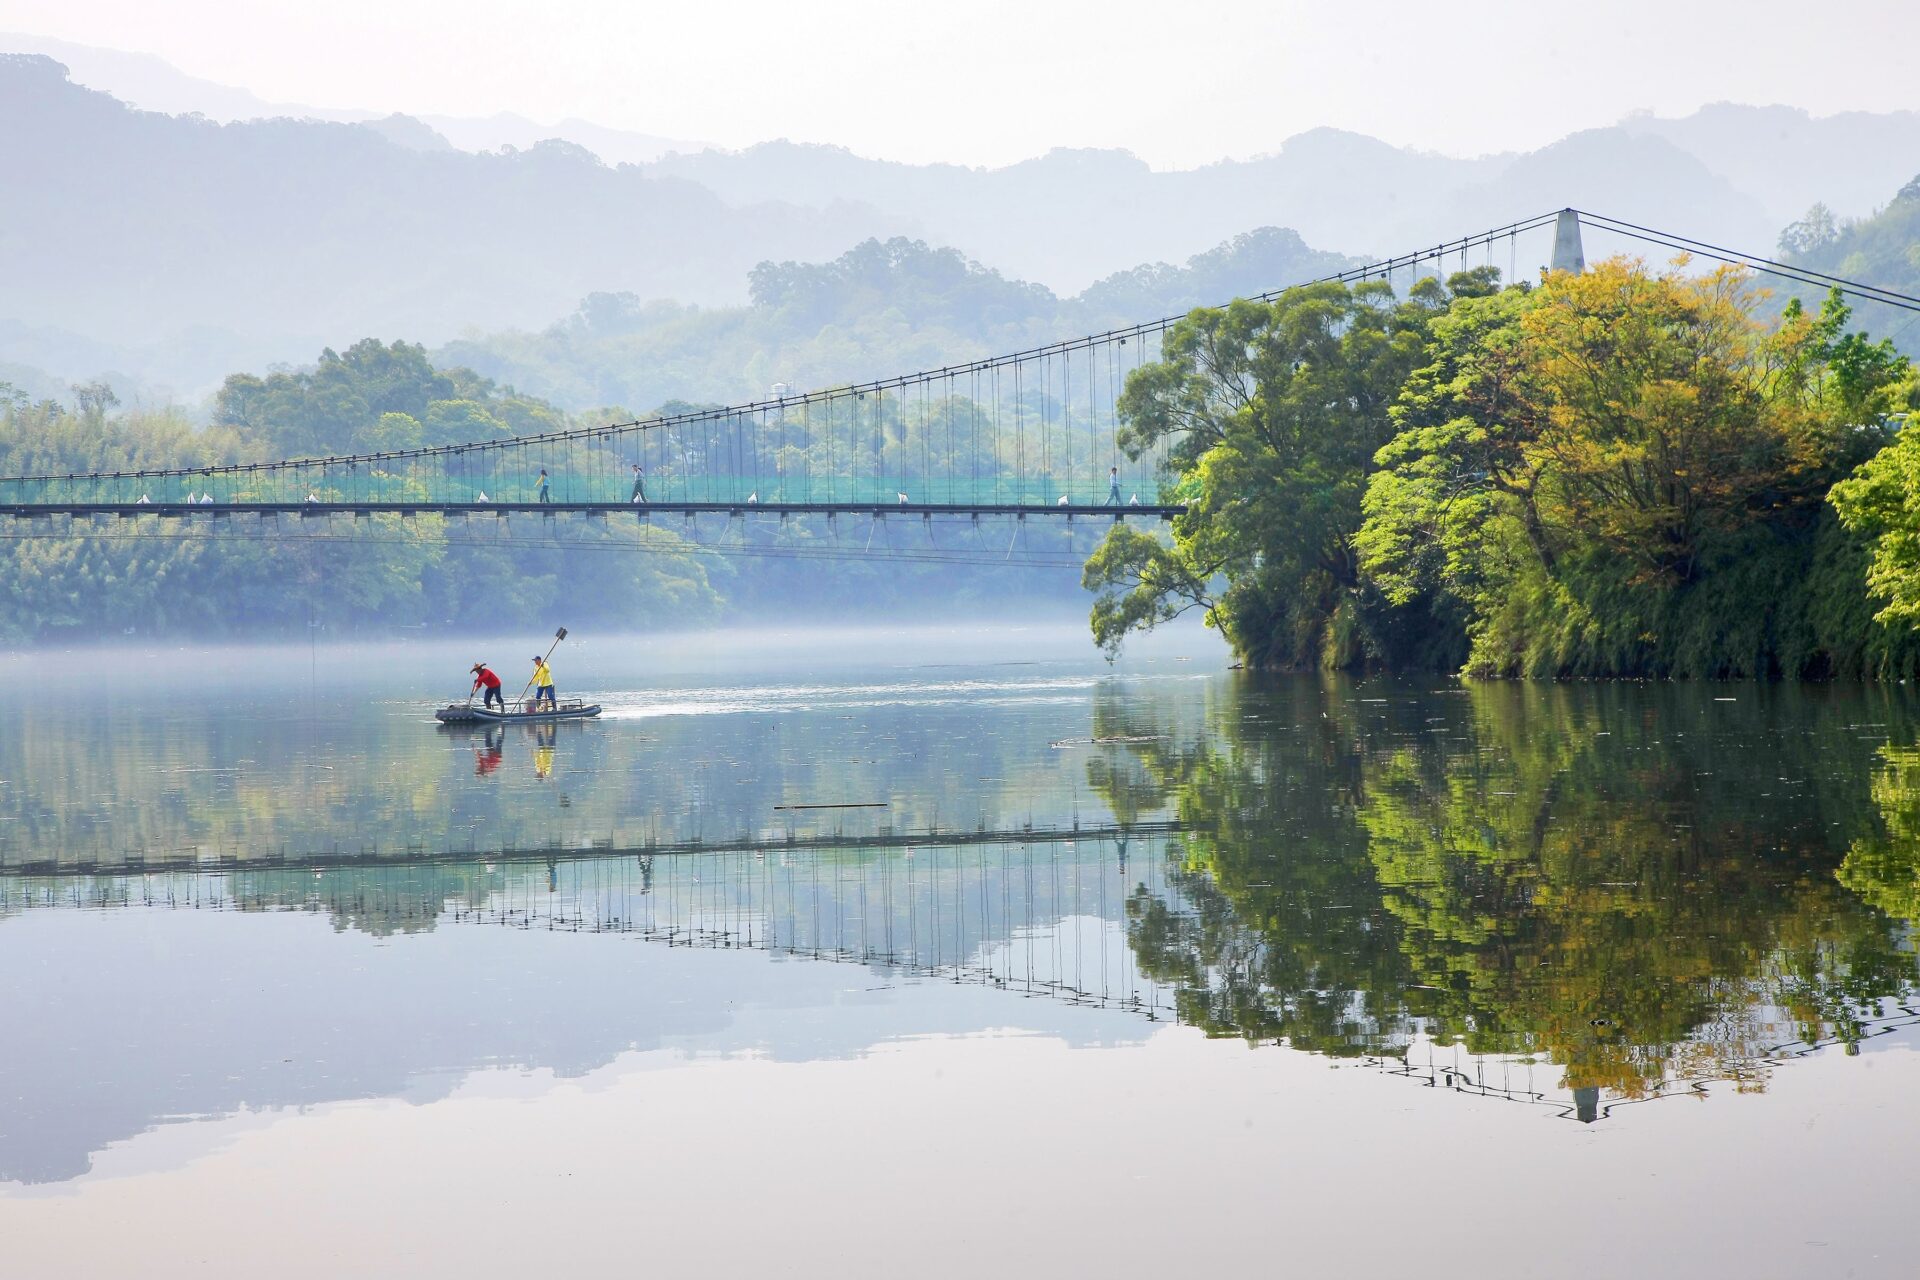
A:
x,y
1032,452
219,491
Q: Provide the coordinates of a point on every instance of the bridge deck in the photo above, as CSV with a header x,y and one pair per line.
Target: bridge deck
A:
x,y
31,510
141,862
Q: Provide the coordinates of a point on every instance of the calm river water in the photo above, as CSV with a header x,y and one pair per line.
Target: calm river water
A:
x,y
948,953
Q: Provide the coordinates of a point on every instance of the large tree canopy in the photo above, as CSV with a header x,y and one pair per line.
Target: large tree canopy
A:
x,y
1620,471
1270,413
1583,469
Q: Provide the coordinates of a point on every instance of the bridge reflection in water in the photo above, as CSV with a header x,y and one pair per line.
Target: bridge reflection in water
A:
x,y
1038,912
1054,912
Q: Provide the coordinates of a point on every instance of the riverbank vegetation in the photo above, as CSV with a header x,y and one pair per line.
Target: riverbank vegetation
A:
x,y
85,580
153,577
1624,472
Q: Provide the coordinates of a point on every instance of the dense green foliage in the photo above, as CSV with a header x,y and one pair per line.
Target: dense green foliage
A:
x,y
221,576
375,396
1621,472
156,577
1273,411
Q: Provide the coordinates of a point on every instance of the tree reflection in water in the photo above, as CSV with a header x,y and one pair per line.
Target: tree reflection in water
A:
x,y
1643,886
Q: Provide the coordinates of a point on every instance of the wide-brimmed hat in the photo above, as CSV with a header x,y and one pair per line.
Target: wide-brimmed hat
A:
x,y
477,666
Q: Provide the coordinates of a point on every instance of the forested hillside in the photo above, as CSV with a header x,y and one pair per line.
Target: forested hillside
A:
x,y
1882,250
876,310
269,578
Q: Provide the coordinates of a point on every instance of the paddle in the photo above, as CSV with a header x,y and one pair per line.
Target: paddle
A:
x,y
558,636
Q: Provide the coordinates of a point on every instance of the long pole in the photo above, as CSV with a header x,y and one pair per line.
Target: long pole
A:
x,y
558,636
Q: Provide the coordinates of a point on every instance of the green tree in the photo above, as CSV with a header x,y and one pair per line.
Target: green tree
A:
x,y
218,578
1270,413
1621,472
1814,231
335,407
1880,502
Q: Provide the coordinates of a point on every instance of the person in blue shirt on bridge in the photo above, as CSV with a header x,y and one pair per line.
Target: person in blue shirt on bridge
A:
x,y
639,493
540,490
1113,486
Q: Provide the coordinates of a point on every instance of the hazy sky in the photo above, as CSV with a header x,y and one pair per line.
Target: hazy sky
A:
x,y
1180,82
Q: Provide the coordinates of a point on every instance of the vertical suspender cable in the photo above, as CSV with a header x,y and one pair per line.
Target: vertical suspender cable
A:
x,y
1046,422
1092,415
1066,422
1020,429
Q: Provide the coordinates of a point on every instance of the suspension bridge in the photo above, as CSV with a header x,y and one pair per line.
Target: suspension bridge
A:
x,y
1031,434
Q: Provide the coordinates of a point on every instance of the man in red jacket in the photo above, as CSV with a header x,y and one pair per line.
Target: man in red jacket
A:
x,y
483,678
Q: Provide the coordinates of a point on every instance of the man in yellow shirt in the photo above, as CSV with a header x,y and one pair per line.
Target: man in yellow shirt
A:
x,y
543,684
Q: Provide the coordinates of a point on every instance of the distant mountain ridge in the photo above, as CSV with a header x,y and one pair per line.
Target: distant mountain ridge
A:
x,y
270,239
1782,157
1739,172
152,84
174,248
